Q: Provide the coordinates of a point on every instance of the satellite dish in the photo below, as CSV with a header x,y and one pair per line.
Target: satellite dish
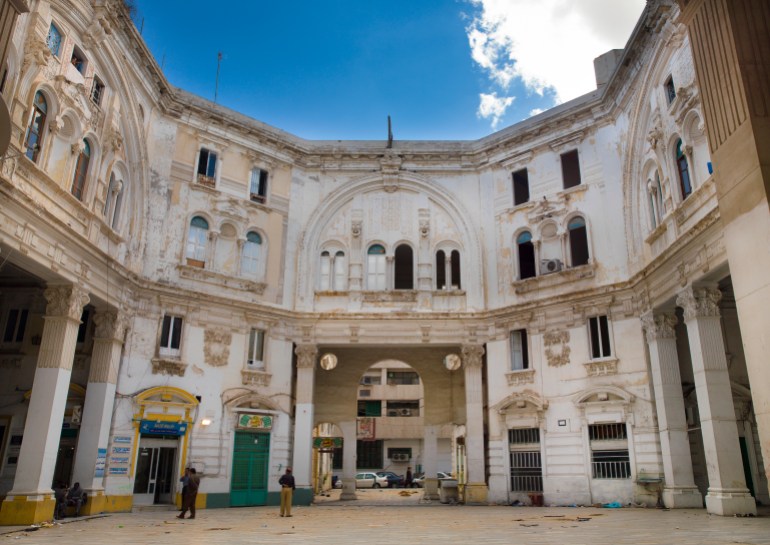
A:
x,y
5,127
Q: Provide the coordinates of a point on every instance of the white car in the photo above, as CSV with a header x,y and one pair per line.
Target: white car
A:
x,y
369,479
418,482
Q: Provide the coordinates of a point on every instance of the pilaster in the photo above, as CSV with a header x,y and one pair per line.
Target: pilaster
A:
x,y
727,494
429,462
679,489
303,418
349,443
476,488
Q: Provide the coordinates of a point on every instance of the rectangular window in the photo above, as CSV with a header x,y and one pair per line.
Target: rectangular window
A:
x,y
256,353
97,90
519,350
402,377
369,454
525,458
370,408
15,326
207,167
371,379
670,89
258,185
403,408
520,187
609,451
78,60
570,169
170,335
599,334
53,40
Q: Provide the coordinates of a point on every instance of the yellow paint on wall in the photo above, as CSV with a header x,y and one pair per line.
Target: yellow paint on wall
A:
x,y
20,511
95,504
118,504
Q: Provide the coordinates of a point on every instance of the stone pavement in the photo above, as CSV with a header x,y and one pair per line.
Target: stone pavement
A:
x,y
382,518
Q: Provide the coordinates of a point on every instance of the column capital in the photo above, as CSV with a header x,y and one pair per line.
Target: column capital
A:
x,y
67,301
699,302
110,324
659,326
306,355
472,355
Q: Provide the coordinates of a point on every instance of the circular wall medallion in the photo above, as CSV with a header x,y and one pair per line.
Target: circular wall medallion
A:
x,y
452,362
328,362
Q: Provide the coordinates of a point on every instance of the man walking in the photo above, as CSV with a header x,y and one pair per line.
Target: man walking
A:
x,y
189,497
287,487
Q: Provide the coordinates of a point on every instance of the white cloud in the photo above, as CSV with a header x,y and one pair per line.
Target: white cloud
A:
x,y
535,111
492,106
548,43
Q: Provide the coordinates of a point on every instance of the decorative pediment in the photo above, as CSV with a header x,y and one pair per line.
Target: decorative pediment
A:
x,y
603,394
521,402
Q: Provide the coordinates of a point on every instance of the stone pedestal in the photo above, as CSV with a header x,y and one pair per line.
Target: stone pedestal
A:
x,y
31,498
476,489
679,488
727,493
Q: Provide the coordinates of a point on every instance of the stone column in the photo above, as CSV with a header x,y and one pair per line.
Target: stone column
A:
x,y
679,489
31,498
97,410
303,422
390,272
476,488
349,460
727,494
429,462
729,42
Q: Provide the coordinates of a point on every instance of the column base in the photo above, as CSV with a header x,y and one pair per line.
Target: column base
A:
x,y
682,498
96,503
730,502
430,489
476,493
348,490
25,510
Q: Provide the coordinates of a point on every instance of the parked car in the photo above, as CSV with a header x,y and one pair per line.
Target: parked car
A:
x,y
394,481
369,479
417,482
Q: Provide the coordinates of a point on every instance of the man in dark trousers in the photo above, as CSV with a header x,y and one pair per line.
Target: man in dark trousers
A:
x,y
287,487
189,496
408,478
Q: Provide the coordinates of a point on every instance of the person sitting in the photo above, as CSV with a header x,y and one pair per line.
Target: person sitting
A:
x,y
77,497
60,494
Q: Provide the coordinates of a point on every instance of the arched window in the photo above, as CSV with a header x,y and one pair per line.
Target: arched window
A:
x,y
197,242
526,253
326,271
440,270
375,267
113,202
455,281
684,171
81,171
578,241
404,268
250,256
34,139
340,271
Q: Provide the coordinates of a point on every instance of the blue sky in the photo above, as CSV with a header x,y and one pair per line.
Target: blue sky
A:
x,y
443,69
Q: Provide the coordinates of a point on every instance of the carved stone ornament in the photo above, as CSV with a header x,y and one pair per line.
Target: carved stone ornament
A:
x,y
699,302
306,355
216,346
355,228
163,366
424,228
251,377
557,348
518,378
659,326
601,368
472,355
66,301
109,325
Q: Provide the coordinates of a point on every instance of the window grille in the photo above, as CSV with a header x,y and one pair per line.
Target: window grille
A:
x,y
526,471
524,436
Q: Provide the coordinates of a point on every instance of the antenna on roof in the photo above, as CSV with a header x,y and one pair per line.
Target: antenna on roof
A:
x,y
216,86
390,134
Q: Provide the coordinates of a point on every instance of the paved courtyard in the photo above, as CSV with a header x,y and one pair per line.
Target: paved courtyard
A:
x,y
383,517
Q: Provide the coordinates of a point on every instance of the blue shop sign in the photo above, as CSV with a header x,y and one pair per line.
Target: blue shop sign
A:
x,y
159,427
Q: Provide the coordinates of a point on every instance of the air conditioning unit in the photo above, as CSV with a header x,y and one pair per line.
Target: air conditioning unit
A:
x,y
548,266
392,412
400,457
405,412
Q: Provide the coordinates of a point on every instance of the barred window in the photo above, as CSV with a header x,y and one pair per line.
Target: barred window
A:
x,y
609,451
526,460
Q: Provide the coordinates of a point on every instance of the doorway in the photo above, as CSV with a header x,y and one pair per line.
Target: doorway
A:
x,y
156,460
251,454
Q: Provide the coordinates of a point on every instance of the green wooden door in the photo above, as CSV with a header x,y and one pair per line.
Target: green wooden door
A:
x,y
250,461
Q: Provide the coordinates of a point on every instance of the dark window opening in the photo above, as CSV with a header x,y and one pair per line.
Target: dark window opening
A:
x,y
81,171
570,169
15,326
403,377
97,91
369,454
519,350
258,185
171,332
207,167
404,273
403,408
526,251
670,90
440,270
369,408
578,241
520,187
78,60
34,138
456,283
684,171
600,337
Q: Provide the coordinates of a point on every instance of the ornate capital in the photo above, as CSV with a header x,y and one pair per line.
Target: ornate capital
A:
x,y
699,302
66,301
110,324
78,147
472,355
659,326
306,355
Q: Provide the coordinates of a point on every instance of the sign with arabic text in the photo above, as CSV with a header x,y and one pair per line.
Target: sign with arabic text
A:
x,y
255,421
327,443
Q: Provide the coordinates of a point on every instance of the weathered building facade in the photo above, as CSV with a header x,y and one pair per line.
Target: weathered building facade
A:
x,y
183,285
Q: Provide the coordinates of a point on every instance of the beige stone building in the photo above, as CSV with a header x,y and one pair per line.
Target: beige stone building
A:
x,y
577,304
